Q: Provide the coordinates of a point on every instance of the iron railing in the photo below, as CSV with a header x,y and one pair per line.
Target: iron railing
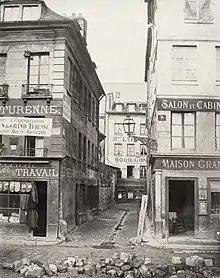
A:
x,y
4,91
36,90
35,152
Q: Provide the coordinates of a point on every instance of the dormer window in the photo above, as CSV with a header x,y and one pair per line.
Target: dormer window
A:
x,y
21,12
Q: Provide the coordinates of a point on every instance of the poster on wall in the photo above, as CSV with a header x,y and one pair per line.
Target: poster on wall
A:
x,y
25,126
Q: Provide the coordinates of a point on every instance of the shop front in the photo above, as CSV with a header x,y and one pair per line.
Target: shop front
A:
x,y
29,199
186,196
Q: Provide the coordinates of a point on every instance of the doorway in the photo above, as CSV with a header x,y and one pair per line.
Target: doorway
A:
x,y
130,171
41,229
181,207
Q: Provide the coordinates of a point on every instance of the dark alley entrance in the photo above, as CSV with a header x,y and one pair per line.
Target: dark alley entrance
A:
x,y
181,207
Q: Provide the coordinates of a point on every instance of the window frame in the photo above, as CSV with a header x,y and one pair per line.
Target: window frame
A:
x,y
128,152
182,130
143,131
118,126
143,171
119,153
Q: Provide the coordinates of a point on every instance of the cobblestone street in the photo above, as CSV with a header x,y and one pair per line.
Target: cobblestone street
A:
x,y
90,241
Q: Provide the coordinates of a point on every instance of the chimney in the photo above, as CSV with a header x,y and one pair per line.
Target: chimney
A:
x,y
83,25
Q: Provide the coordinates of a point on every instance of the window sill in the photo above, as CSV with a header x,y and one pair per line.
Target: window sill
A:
x,y
185,83
197,21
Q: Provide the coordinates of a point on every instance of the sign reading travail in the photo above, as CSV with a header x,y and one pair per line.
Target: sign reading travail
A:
x,y
188,104
205,164
26,126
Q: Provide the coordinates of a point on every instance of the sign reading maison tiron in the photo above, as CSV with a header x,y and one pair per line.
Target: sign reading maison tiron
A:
x,y
188,104
178,163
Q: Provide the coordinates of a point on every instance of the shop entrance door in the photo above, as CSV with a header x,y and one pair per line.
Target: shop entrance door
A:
x,y
41,230
181,207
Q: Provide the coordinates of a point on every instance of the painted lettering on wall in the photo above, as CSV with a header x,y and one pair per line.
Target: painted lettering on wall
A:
x,y
131,159
29,110
211,164
27,170
188,104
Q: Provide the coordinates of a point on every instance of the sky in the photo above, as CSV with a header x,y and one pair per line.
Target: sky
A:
x,y
116,36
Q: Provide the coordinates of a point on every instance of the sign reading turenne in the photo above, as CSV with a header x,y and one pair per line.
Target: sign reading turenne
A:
x,y
188,104
178,163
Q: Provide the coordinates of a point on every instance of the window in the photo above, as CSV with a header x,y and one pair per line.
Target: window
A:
x,y
31,12
89,153
183,130
34,146
217,51
215,196
143,150
198,11
68,75
117,149
80,146
130,171
143,129
11,13
39,68
217,130
3,58
118,107
130,149
14,197
184,63
84,149
118,128
143,172
131,107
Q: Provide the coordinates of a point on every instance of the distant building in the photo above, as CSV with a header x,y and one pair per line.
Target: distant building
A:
x,y
183,76
49,108
120,150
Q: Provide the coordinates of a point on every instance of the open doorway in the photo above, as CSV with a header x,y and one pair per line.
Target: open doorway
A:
x,y
181,207
130,171
41,229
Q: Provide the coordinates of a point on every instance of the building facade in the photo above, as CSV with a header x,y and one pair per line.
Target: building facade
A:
x,y
124,152
49,107
182,71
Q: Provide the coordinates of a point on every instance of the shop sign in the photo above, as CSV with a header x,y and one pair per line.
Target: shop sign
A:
x,y
27,170
29,110
67,106
208,105
131,159
26,126
203,164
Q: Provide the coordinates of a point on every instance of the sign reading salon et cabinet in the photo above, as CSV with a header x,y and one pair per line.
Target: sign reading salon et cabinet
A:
x,y
188,104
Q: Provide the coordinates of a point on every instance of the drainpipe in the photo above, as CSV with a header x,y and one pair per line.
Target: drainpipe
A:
x,y
59,198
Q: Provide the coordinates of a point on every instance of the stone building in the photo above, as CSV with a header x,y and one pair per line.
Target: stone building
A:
x,y
49,107
183,75
124,152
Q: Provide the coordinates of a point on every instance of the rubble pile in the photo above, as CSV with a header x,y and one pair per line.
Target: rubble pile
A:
x,y
122,264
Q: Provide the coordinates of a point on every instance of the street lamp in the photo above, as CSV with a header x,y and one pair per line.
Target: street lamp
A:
x,y
129,126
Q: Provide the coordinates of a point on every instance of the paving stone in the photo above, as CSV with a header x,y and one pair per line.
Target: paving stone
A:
x,y
90,270
80,270
112,273
24,270
147,260
136,263
145,272
70,261
119,263
129,274
208,262
125,257
125,267
120,273
108,260
194,260
116,256
34,271
137,273
159,273
53,268
176,260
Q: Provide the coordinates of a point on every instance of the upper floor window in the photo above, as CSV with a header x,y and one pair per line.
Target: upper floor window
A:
x,y
184,63
39,68
130,149
217,51
198,11
143,150
117,149
143,172
3,58
118,107
131,107
183,131
143,129
118,128
21,12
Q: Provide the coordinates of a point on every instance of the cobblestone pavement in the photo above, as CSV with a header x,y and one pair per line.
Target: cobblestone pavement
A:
x,y
87,239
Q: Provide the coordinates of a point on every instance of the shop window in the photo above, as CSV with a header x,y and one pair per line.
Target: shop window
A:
x,y
184,63
217,51
130,149
198,11
143,150
118,149
118,128
14,201
143,172
215,197
143,129
183,131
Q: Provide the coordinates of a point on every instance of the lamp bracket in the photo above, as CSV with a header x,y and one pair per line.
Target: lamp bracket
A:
x,y
148,142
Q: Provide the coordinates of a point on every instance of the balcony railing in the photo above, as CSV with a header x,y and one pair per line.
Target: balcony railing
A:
x,y
35,152
37,91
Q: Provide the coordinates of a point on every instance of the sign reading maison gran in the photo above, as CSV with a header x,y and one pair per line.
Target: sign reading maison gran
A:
x,y
178,163
188,104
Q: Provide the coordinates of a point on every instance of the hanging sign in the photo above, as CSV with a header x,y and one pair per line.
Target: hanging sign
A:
x,y
26,126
